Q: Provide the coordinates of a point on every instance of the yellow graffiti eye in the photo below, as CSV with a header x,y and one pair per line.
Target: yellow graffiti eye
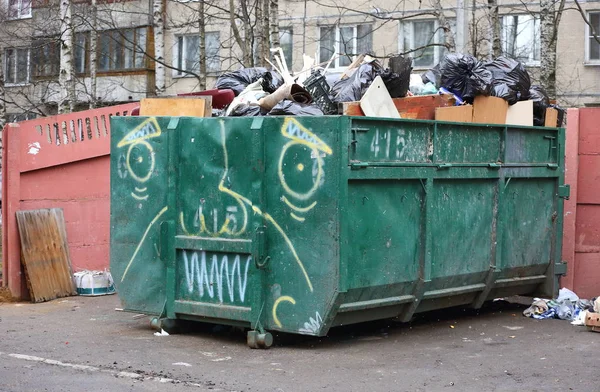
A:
x,y
140,159
300,167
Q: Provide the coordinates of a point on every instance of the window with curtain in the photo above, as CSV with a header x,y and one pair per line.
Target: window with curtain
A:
x,y
187,53
122,49
346,41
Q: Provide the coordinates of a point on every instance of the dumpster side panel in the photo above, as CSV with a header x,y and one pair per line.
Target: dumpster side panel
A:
x,y
385,222
462,227
301,215
139,173
218,185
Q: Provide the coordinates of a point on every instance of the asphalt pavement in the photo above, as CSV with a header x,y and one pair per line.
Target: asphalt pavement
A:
x,y
83,344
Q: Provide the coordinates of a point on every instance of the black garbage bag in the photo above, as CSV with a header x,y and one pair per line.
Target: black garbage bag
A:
x,y
246,111
501,90
465,76
510,75
540,103
354,87
432,76
239,80
291,108
397,77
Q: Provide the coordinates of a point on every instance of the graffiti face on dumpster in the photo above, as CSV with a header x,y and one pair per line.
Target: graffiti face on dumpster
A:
x,y
300,167
139,159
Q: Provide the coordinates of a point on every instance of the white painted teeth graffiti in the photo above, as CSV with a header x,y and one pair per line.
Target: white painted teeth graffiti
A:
x,y
203,276
313,325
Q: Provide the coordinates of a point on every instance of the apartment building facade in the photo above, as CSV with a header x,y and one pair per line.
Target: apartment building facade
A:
x,y
125,44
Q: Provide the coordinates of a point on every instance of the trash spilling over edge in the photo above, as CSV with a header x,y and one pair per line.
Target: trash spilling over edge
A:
x,y
316,91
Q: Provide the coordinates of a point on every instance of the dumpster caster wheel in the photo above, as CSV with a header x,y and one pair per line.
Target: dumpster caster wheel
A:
x,y
259,340
169,325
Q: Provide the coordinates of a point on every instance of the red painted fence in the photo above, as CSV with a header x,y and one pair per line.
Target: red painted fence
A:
x,y
581,240
63,161
60,161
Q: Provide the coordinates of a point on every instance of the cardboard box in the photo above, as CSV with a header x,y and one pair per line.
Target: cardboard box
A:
x,y
489,110
463,113
551,118
521,113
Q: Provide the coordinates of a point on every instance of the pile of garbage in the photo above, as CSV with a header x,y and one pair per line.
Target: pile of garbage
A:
x,y
567,306
466,77
262,92
312,91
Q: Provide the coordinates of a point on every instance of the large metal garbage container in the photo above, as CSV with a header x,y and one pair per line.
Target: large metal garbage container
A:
x,y
298,224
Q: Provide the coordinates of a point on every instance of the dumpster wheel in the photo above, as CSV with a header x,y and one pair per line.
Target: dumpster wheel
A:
x,y
170,326
256,339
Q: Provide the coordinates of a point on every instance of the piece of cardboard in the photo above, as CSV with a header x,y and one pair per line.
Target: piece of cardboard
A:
x,y
420,107
521,113
463,113
377,101
190,107
551,118
489,110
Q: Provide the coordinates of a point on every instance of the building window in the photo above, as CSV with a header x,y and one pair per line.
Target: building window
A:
x,y
122,49
16,66
346,42
593,47
13,117
286,37
80,50
187,53
422,40
521,38
45,58
19,9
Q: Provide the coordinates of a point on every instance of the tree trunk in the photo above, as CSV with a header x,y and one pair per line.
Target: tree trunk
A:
x,y
202,42
249,39
242,42
495,27
548,47
2,104
259,37
93,50
66,74
265,54
274,19
445,26
159,47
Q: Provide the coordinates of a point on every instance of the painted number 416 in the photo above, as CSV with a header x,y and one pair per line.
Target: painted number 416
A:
x,y
390,144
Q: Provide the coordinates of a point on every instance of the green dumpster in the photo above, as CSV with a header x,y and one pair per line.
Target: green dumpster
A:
x,y
299,224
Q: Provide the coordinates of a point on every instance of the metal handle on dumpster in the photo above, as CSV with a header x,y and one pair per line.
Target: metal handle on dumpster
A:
x,y
258,248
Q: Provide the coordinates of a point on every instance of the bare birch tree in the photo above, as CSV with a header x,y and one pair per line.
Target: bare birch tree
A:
x,y
66,69
159,47
93,54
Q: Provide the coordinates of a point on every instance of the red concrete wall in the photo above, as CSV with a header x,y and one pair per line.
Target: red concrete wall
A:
x,y
53,163
581,241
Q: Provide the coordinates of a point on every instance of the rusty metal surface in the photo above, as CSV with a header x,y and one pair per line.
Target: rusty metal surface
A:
x,y
45,254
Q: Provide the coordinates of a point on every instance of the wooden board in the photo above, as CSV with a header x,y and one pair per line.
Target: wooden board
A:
x,y
45,254
489,110
521,113
190,107
551,118
463,113
420,107
377,101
